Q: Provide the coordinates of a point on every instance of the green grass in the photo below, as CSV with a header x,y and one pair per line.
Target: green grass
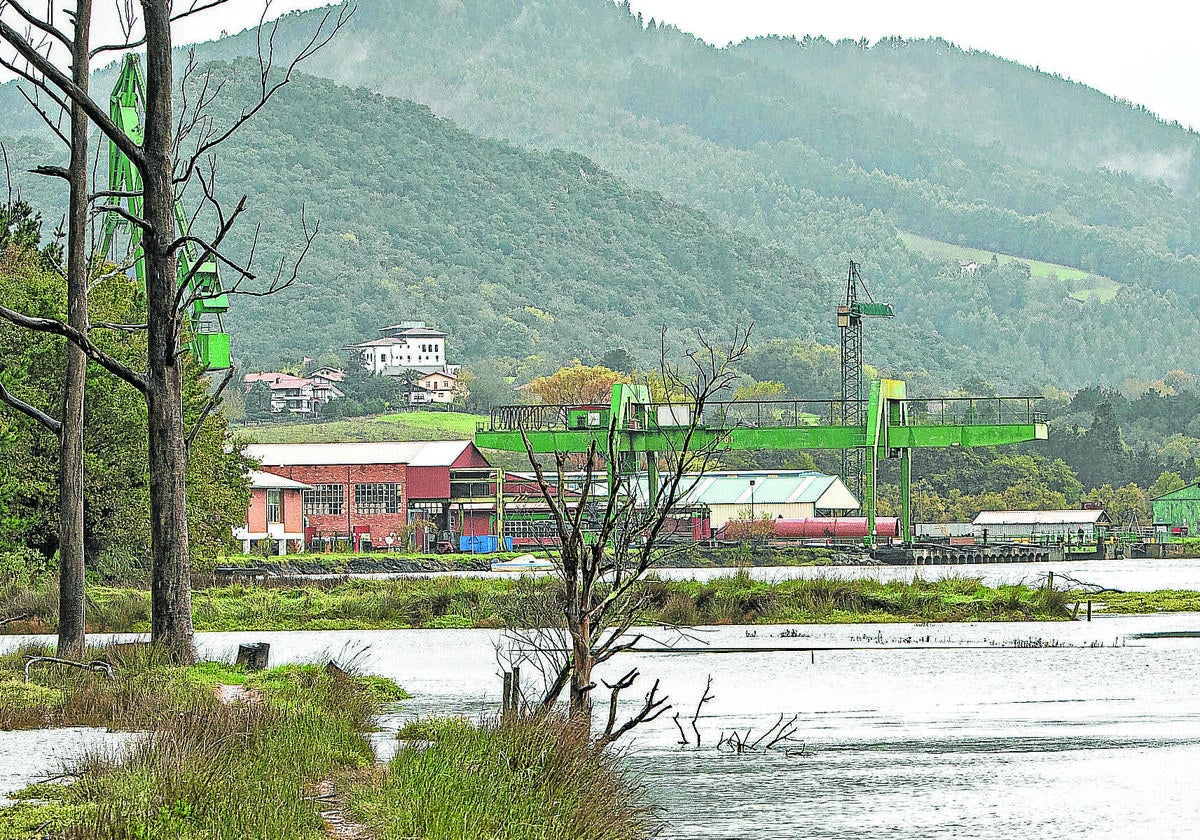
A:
x,y
203,769
519,779
1140,603
451,602
1083,285
407,425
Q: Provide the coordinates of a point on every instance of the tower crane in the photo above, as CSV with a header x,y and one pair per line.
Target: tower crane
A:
x,y
853,396
208,341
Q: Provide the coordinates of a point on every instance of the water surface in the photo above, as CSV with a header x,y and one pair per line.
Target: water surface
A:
x,y
920,731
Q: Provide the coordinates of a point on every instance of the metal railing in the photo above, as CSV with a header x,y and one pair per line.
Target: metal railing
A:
x,y
973,411
759,414
935,411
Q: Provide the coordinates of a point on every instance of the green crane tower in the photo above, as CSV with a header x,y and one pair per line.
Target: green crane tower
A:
x,y
853,409
208,341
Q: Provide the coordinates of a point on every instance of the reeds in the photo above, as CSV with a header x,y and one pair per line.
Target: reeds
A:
x,y
476,602
517,779
207,769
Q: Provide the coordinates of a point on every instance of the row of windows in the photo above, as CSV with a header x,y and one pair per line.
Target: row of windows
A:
x,y
540,529
330,499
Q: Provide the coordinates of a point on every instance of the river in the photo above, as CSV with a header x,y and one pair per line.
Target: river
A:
x,y
920,731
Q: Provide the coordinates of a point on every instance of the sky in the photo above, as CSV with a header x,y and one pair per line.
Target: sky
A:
x,y
1144,52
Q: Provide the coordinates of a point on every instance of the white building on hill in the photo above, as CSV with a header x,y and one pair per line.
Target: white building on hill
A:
x,y
412,349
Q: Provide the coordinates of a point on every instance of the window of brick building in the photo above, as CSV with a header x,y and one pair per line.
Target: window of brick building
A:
x,y
325,500
376,498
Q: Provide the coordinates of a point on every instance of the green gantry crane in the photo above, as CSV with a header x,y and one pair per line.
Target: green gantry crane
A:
x,y
892,426
208,342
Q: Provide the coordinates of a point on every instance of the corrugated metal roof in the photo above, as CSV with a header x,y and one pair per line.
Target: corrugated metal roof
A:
x,y
1040,517
780,487
269,481
436,453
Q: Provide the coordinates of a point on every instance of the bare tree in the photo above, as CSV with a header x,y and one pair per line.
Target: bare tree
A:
x,y
611,534
164,172
69,428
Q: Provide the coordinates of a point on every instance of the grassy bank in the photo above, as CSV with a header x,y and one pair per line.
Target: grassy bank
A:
x,y
404,425
448,602
1139,603
202,768
525,779
288,759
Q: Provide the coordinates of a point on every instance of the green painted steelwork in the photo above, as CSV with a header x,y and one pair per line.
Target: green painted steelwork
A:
x,y
894,426
1179,508
208,342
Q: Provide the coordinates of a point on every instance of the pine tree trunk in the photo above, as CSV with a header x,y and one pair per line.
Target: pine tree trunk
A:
x,y
71,609
171,598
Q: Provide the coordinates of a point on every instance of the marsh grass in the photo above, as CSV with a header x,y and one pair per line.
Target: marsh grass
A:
x,y
358,604
516,779
203,768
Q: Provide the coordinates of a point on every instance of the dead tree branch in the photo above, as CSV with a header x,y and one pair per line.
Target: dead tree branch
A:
x,y
652,708
209,406
80,340
95,665
25,408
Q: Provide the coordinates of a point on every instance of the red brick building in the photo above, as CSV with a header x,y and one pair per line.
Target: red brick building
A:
x,y
363,493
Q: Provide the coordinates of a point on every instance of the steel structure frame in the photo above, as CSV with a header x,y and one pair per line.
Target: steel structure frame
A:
x,y
892,427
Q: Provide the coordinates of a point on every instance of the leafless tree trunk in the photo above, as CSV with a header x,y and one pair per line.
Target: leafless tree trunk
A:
x,y
605,560
170,592
71,609
69,429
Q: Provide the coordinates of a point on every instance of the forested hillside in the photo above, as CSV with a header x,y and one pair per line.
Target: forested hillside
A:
x,y
827,151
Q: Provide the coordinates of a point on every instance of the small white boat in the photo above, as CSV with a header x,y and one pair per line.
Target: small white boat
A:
x,y
524,563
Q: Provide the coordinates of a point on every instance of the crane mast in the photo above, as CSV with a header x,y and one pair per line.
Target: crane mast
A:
x,y
853,396
208,340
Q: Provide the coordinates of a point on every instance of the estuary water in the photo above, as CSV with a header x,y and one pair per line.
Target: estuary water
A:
x,y
910,731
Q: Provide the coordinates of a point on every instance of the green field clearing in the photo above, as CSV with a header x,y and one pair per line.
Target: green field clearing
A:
x,y
406,425
1081,284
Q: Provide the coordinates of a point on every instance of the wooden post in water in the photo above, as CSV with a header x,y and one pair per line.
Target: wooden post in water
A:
x,y
506,693
515,697
1089,618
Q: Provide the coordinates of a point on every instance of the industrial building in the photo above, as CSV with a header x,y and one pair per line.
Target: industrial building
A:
x,y
1070,525
786,494
1178,512
358,495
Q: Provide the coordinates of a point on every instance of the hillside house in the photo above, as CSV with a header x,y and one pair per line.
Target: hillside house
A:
x,y
274,513
296,394
439,387
415,352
